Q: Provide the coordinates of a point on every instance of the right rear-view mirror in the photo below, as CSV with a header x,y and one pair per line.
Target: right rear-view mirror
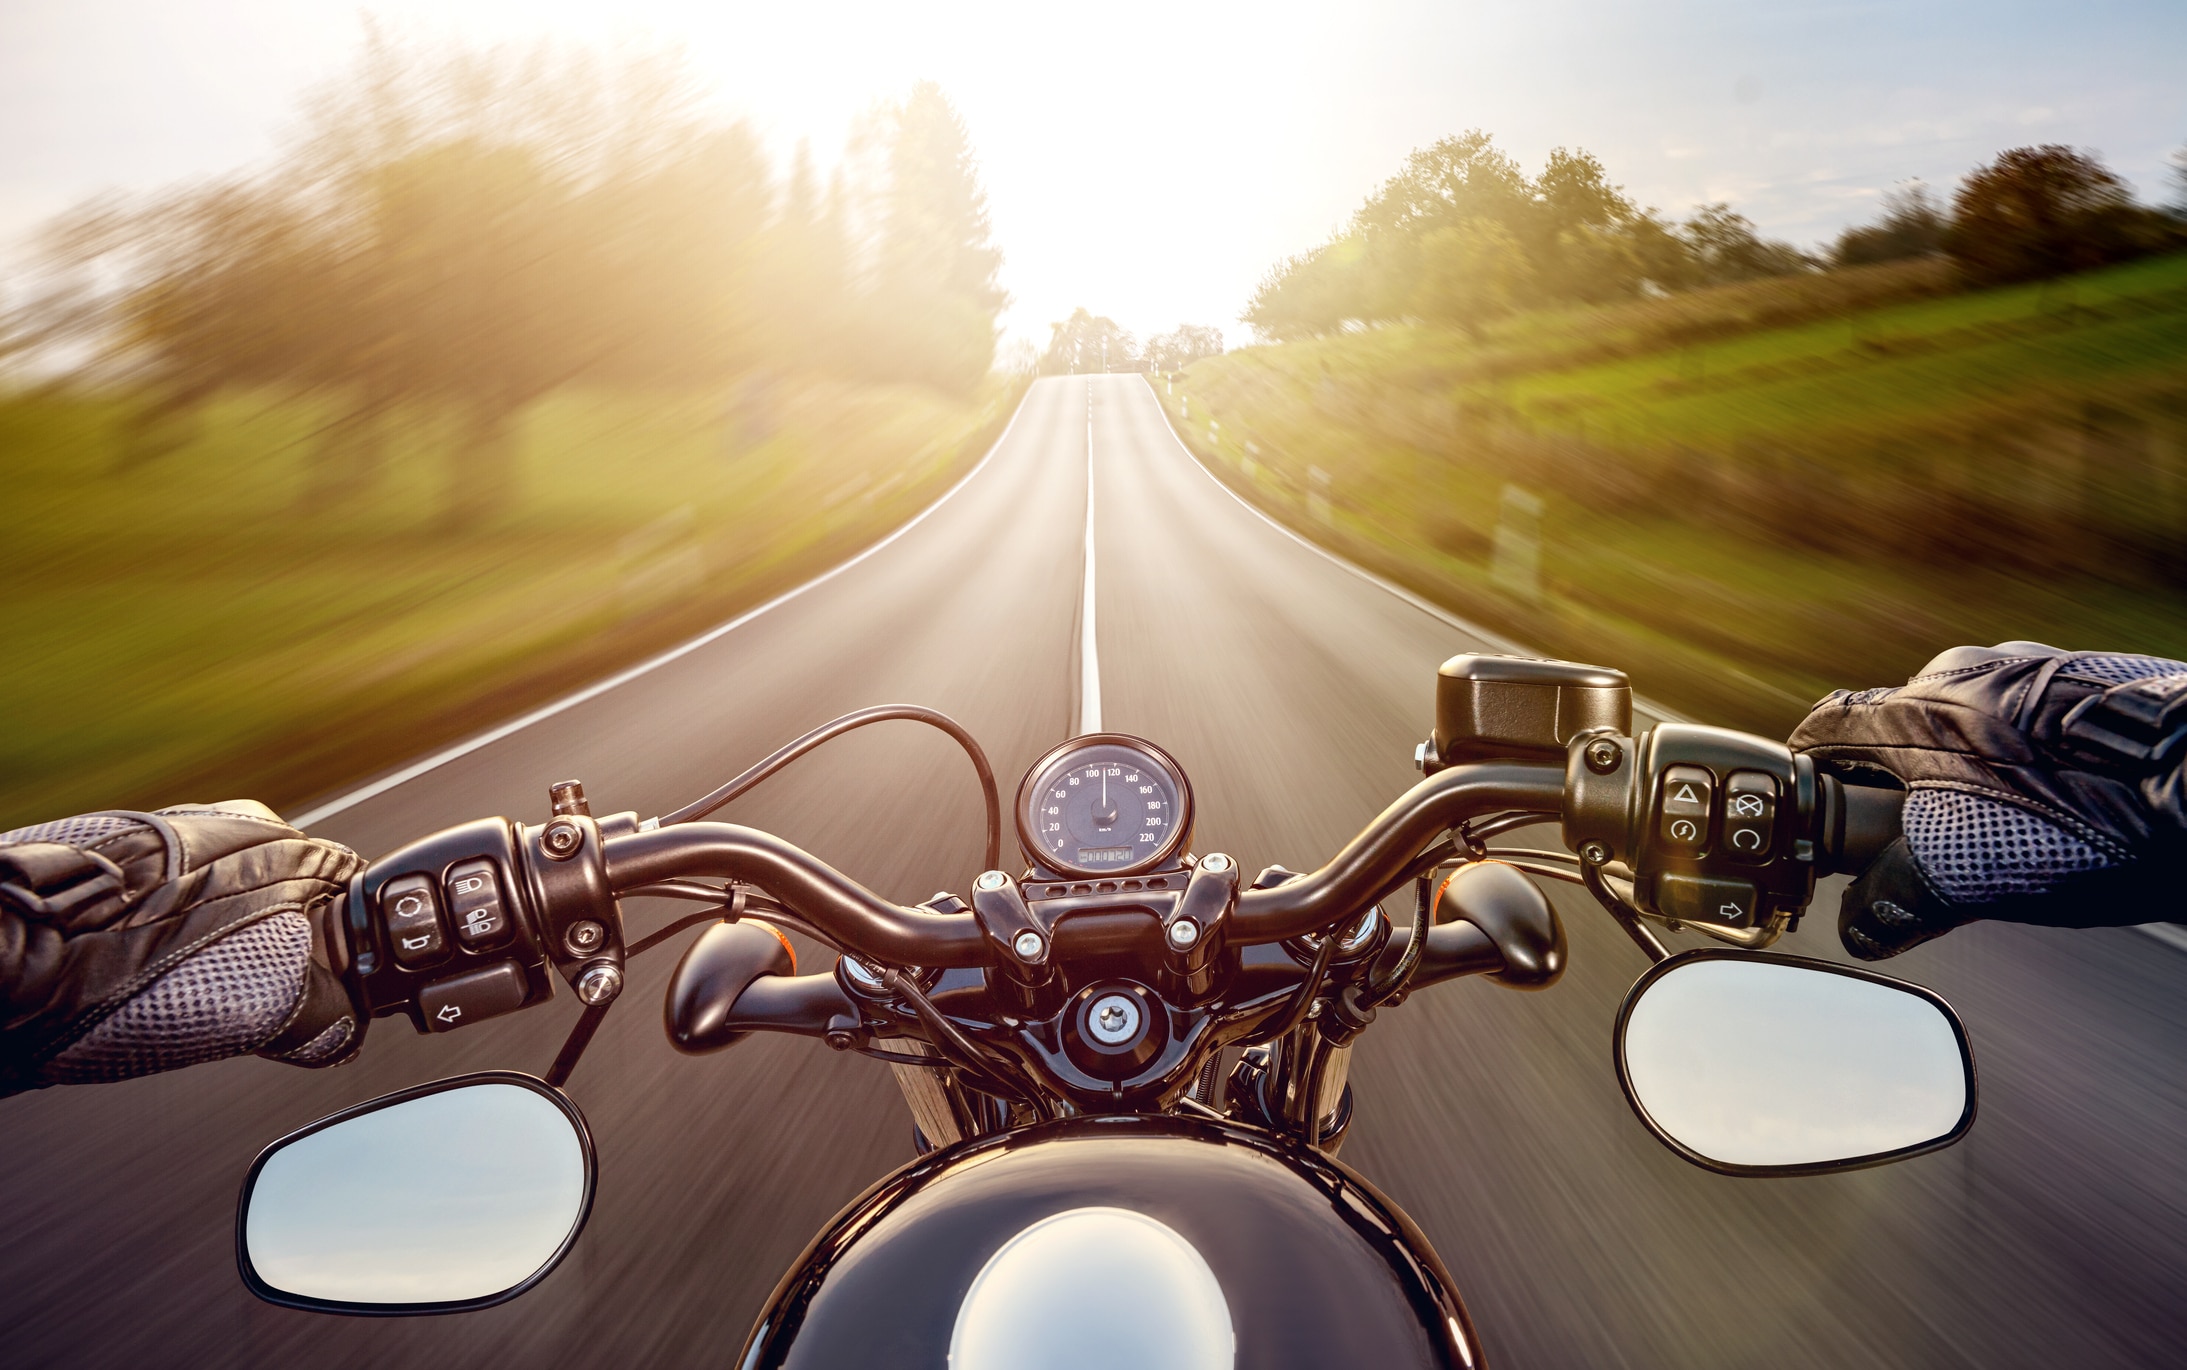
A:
x,y
1753,1064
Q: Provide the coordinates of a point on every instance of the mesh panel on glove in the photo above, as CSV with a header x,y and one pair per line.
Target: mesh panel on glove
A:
x,y
84,830
1976,850
2111,668
225,1000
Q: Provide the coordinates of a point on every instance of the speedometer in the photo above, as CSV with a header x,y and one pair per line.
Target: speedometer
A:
x,y
1104,804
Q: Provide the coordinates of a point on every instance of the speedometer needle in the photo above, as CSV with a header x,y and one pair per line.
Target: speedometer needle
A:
x,y
1105,816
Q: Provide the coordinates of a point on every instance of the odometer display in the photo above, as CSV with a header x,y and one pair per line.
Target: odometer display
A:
x,y
1104,804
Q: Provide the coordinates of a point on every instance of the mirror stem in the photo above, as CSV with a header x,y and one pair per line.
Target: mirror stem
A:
x,y
574,1046
1591,876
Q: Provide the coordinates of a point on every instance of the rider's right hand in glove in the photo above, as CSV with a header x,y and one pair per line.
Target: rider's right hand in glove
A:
x,y
138,942
2043,787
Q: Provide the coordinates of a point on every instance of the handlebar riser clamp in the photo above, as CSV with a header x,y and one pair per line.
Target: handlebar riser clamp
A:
x,y
1004,917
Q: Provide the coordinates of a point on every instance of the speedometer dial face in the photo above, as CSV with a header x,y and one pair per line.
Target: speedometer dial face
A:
x,y
1104,804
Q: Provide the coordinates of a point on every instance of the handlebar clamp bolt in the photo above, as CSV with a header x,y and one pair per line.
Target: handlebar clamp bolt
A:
x,y
1594,853
561,839
1603,756
1215,861
1028,944
991,880
599,984
1183,933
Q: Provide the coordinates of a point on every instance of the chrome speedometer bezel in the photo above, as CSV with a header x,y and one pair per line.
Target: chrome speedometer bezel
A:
x,y
1172,846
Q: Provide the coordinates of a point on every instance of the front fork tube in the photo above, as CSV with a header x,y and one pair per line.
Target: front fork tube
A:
x,y
1302,1101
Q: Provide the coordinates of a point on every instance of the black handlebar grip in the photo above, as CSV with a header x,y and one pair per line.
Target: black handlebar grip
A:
x,y
1864,819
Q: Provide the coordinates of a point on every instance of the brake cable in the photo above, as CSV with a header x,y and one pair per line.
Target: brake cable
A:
x,y
701,807
1416,945
765,909
1295,1012
962,1053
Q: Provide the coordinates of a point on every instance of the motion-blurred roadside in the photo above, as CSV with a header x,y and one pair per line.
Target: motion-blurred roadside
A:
x,y
1747,473
516,364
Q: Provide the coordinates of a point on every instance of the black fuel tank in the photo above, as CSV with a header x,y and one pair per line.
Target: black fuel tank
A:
x,y
1036,1247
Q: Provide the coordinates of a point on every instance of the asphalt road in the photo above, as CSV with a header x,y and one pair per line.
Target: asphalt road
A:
x,y
1293,691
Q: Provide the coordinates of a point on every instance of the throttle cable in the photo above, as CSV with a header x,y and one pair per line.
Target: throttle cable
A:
x,y
701,807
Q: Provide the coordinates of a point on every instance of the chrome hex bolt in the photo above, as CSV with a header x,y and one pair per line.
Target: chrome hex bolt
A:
x,y
1603,755
599,984
1594,853
1215,861
1183,933
991,880
561,839
1028,945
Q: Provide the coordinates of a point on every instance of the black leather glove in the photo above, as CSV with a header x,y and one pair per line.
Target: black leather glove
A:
x,y
139,942
2043,787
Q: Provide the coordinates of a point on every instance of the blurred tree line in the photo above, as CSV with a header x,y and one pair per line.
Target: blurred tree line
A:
x,y
1462,236
1088,342
462,232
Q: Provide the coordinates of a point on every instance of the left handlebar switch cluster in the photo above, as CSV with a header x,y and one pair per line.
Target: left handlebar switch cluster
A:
x,y
474,921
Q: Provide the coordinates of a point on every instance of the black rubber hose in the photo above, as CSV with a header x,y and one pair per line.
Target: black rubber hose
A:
x,y
848,912
959,1048
1422,913
705,805
1295,1012
1381,857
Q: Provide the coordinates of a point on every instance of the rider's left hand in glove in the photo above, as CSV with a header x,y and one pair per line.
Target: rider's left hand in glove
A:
x,y
138,942
2043,787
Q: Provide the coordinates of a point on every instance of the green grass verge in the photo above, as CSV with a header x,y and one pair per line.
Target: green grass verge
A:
x,y
185,630
1749,498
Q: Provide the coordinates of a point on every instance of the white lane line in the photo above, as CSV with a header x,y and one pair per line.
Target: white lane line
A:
x,y
594,691
1437,611
1089,646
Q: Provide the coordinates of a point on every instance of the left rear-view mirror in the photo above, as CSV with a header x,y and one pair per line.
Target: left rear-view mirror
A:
x,y
1753,1064
455,1195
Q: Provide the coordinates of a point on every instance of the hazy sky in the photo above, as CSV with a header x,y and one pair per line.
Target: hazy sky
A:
x,y
1151,160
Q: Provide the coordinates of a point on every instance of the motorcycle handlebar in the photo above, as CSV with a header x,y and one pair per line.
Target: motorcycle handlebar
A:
x,y
805,884
1860,823
1368,867
1379,859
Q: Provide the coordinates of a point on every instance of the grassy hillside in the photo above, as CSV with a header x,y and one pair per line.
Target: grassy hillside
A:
x,y
190,628
1751,495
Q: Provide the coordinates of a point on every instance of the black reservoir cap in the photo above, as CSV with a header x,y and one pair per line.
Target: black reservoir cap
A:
x,y
1507,707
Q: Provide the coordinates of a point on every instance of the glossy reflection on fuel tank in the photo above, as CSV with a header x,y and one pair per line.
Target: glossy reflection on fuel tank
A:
x,y
456,1195
1758,1063
1050,1297
1122,1242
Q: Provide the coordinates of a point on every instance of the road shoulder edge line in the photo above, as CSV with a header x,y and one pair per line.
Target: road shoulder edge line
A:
x,y
403,775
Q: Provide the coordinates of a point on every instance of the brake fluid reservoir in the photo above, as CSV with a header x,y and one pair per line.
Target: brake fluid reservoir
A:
x,y
1507,708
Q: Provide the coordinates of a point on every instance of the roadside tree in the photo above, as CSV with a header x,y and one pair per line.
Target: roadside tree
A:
x,y
2044,211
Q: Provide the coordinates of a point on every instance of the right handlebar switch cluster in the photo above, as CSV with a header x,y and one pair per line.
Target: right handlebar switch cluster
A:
x,y
1718,828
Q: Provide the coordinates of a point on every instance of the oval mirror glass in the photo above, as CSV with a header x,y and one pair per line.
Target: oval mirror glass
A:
x,y
1772,1065
455,1195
